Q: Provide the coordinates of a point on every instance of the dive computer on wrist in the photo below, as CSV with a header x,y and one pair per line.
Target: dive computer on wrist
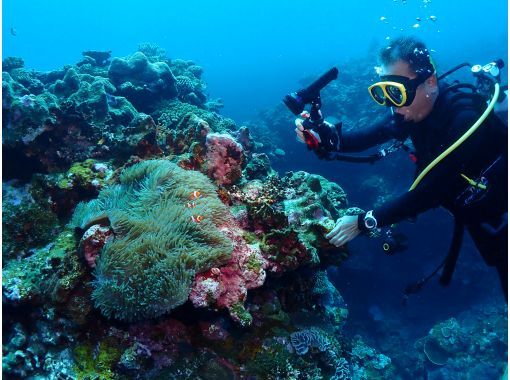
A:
x,y
370,221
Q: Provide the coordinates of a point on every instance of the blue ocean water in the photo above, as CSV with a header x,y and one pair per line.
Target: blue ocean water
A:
x,y
252,51
255,52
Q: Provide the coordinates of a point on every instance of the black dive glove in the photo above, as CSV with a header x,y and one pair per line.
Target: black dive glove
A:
x,y
329,135
322,138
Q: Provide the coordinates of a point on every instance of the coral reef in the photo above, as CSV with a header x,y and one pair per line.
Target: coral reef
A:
x,y
100,58
29,117
228,285
146,236
472,345
27,223
50,273
93,110
141,81
368,364
11,63
40,349
225,158
304,340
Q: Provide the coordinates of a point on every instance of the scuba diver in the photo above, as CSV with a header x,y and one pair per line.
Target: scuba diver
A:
x,y
460,150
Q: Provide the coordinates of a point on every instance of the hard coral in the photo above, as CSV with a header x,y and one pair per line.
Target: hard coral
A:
x,y
27,223
303,340
284,251
228,285
141,81
49,274
191,129
11,63
224,158
100,58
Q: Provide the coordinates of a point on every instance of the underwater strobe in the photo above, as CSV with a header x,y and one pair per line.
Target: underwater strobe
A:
x,y
297,101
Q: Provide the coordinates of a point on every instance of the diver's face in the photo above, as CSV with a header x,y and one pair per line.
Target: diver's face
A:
x,y
426,93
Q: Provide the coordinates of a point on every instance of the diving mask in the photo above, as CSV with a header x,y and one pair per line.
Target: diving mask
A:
x,y
395,90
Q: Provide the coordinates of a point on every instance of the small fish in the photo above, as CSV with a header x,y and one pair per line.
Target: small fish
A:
x,y
383,18
191,204
101,141
418,19
197,219
416,26
433,18
13,32
195,195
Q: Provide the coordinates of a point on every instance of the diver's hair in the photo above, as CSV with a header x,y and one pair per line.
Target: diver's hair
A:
x,y
410,50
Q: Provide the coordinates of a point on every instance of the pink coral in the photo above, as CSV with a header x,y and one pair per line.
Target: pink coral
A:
x,y
205,289
285,252
224,158
245,270
93,241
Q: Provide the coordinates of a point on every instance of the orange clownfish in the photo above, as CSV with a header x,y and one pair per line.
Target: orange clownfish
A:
x,y
191,204
197,219
195,195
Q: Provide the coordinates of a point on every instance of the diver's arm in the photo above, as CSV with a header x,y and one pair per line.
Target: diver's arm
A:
x,y
407,205
437,185
332,138
361,139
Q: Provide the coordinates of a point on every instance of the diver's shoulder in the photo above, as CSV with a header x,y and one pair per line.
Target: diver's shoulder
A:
x,y
451,96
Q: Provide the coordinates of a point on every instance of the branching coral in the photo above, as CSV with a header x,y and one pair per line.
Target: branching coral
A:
x,y
158,247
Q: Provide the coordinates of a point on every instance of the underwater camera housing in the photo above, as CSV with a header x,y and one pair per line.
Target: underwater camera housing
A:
x,y
297,101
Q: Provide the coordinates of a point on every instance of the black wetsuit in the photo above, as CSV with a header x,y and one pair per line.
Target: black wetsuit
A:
x,y
483,213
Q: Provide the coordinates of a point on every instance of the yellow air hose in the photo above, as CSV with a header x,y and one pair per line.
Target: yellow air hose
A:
x,y
456,144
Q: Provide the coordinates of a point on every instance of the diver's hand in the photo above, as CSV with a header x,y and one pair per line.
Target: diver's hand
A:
x,y
324,137
345,230
300,129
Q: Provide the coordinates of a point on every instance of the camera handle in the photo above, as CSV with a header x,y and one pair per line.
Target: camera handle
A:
x,y
315,119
